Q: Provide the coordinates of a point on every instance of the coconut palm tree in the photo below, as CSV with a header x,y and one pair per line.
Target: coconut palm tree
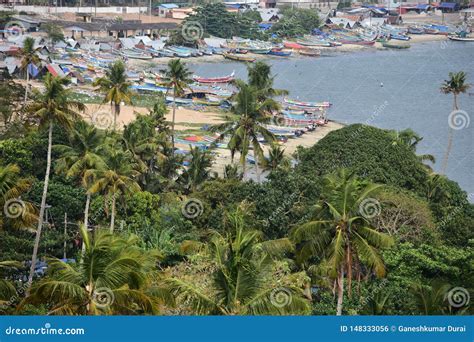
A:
x,y
7,289
117,179
341,232
276,159
51,107
198,170
177,78
411,139
244,279
259,77
245,131
28,56
456,85
116,88
114,276
12,186
79,157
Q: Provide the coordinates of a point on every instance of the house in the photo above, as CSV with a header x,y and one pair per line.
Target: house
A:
x,y
28,23
166,10
269,15
181,13
343,22
448,6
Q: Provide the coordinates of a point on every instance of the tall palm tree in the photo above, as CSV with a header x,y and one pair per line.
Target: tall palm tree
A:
x,y
117,179
116,88
115,276
79,157
259,75
456,85
341,233
177,77
245,131
52,107
244,278
28,56
12,186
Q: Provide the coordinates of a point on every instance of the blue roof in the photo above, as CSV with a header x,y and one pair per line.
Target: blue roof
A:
x,y
169,6
265,26
447,5
422,6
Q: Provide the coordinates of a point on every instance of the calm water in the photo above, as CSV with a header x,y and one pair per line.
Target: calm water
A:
x,y
410,95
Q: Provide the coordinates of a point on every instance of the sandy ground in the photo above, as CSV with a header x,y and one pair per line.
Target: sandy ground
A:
x,y
101,116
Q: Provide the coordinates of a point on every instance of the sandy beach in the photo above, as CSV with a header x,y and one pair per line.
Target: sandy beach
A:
x,y
187,119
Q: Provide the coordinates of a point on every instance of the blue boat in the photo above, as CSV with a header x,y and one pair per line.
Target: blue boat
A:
x,y
399,36
280,53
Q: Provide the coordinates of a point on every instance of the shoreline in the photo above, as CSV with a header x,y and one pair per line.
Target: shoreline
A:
x,y
325,51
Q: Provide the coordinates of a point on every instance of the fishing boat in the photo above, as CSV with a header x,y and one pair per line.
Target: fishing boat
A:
x,y
415,30
314,43
306,104
238,58
461,39
292,45
166,53
260,51
310,52
399,36
279,53
136,55
430,30
223,79
358,42
179,100
392,45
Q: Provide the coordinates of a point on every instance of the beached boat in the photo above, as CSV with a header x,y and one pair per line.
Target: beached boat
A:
x,y
179,100
260,51
393,45
224,79
292,45
280,53
461,39
358,42
415,30
306,104
238,58
136,55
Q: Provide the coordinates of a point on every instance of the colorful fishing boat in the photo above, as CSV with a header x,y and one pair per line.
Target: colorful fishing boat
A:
x,y
392,45
136,55
461,39
224,79
415,30
306,104
238,58
279,53
292,45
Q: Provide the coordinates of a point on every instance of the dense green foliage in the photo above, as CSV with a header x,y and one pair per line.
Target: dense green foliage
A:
x,y
296,22
359,226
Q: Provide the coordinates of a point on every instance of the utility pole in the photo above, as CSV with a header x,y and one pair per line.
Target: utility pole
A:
x,y
150,11
65,235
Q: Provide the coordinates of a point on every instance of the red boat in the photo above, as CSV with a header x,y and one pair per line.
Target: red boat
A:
x,y
224,79
293,45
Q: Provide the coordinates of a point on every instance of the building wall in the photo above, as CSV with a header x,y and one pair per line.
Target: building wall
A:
x,y
318,4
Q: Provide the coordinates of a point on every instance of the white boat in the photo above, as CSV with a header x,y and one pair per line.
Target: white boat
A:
x,y
460,39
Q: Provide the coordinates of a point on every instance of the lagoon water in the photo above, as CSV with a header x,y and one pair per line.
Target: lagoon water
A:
x,y
389,89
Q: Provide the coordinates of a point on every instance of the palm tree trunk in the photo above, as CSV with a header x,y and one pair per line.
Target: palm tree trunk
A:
x,y
257,172
86,220
340,291
112,219
26,87
172,123
244,166
450,140
42,210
